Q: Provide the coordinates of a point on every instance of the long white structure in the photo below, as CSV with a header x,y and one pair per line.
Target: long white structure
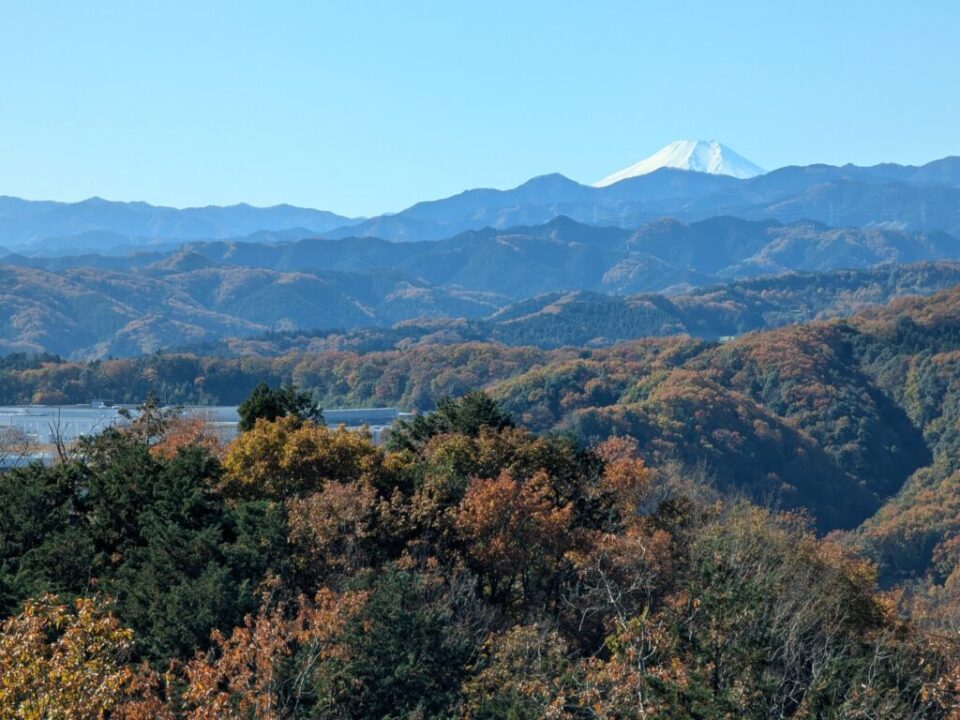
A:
x,y
42,424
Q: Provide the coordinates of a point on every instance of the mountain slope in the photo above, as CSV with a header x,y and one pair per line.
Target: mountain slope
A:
x,y
98,313
835,417
187,299
851,420
701,156
563,255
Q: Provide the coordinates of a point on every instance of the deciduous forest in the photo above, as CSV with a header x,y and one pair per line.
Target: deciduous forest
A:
x,y
669,528
471,570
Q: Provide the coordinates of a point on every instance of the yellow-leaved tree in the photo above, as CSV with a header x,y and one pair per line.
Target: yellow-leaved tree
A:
x,y
70,662
289,457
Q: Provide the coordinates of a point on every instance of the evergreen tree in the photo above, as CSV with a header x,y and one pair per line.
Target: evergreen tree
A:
x,y
465,416
269,404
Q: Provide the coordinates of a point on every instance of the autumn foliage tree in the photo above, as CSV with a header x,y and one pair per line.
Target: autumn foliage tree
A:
x,y
290,457
516,534
480,572
182,432
71,662
268,668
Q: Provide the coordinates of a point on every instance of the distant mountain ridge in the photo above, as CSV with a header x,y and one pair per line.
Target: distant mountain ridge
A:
x,y
924,198
588,319
45,225
561,255
92,312
88,313
913,198
98,305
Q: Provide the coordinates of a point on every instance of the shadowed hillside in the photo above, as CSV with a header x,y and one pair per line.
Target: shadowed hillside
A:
x,y
565,283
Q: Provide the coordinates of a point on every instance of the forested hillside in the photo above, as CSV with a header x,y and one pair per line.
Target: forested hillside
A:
x,y
324,396
188,303
586,319
472,570
843,418
753,512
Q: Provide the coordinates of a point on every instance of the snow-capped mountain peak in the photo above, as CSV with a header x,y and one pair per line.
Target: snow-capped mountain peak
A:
x,y
696,155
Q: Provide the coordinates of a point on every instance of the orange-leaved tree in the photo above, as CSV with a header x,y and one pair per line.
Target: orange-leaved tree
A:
x,y
515,534
72,662
267,669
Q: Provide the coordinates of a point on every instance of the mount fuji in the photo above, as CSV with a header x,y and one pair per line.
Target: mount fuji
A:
x,y
697,155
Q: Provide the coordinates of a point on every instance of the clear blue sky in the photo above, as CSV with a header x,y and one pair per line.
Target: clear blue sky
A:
x,y
363,107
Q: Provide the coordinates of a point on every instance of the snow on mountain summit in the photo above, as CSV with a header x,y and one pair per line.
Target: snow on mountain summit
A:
x,y
696,155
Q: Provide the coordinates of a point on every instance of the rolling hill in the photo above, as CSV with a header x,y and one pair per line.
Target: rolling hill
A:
x,y
185,300
96,313
851,419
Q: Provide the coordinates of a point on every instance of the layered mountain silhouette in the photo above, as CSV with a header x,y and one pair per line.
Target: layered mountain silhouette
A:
x,y
97,305
98,224
915,198
97,278
923,198
561,254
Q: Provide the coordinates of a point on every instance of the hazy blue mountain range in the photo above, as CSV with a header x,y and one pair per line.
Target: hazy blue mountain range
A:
x,y
549,262
919,198
922,198
97,224
560,255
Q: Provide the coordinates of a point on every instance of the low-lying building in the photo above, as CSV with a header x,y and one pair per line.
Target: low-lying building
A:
x,y
376,420
44,424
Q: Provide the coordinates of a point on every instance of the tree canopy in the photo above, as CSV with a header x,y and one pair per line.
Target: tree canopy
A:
x,y
482,571
266,403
